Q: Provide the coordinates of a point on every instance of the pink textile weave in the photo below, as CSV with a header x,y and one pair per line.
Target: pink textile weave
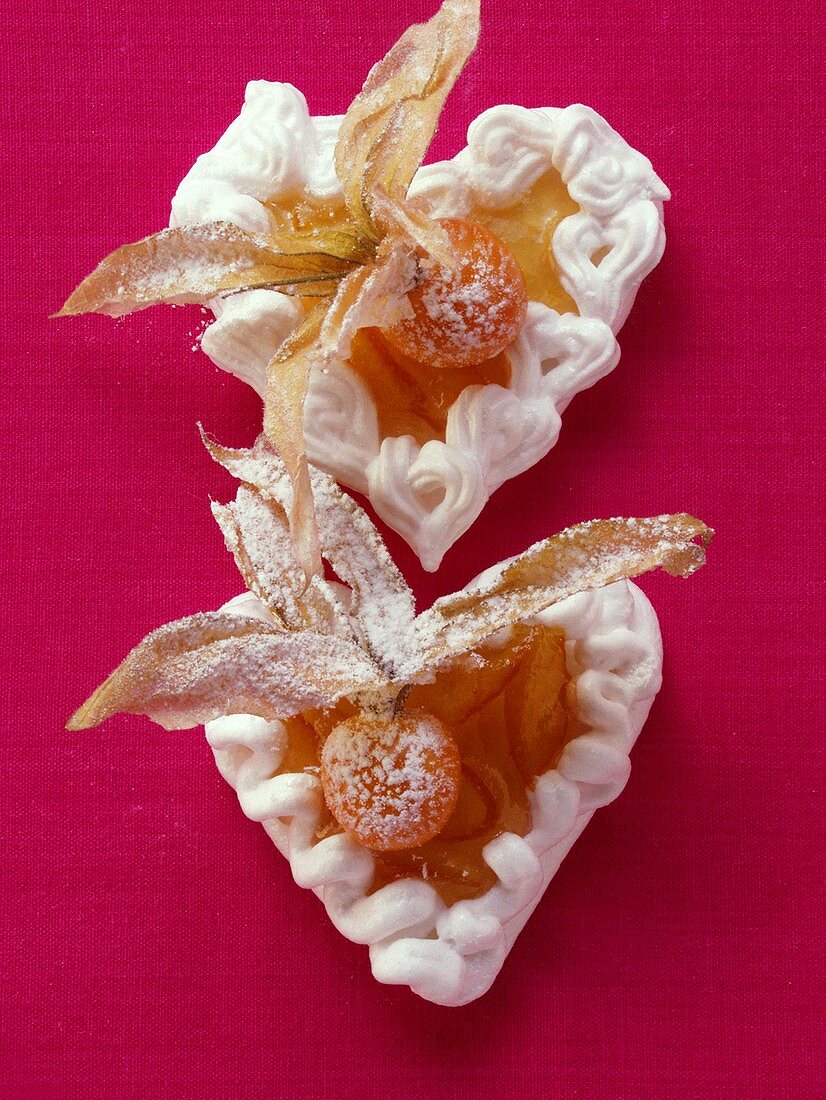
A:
x,y
153,943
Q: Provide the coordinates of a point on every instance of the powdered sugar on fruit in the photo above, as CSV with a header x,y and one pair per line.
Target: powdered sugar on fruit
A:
x,y
391,781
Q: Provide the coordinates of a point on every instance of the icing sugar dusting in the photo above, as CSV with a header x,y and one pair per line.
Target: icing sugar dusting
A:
x,y
211,253
468,308
383,608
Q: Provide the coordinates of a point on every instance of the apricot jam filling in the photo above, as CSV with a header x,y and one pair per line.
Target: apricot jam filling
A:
x,y
413,397
527,228
511,711
300,214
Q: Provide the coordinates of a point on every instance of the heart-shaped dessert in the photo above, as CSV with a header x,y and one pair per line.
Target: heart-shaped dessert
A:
x,y
579,208
418,332
424,774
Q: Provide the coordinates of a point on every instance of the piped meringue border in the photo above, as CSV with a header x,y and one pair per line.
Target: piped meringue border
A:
x,y
432,493
452,954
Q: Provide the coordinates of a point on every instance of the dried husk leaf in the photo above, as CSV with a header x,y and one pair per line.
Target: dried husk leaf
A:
x,y
268,573
340,243
405,224
391,122
288,378
196,262
257,533
666,542
215,664
259,466
382,603
374,296
587,556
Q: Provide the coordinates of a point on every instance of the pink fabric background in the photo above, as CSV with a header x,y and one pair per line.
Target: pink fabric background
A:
x,y
154,943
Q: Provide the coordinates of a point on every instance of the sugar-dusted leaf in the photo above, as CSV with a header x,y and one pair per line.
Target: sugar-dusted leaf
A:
x,y
260,466
257,533
666,542
215,664
391,122
196,262
589,555
382,600
288,378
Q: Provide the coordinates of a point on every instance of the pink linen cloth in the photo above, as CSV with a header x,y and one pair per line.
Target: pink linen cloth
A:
x,y
154,944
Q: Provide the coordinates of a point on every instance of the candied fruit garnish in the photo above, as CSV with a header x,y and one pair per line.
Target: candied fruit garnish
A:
x,y
392,781
466,314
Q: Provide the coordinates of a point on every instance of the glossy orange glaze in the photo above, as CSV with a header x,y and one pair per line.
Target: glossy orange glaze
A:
x,y
298,212
413,399
527,228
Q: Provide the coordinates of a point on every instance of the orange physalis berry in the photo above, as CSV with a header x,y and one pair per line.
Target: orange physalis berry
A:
x,y
391,782
464,316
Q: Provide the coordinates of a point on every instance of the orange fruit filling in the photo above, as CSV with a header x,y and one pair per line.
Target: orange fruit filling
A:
x,y
509,710
411,397
527,227
300,213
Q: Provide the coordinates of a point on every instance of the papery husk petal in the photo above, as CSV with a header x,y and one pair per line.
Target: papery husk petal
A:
x,y
339,243
404,222
257,533
288,379
215,664
391,122
587,556
259,466
382,602
262,549
375,296
195,262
